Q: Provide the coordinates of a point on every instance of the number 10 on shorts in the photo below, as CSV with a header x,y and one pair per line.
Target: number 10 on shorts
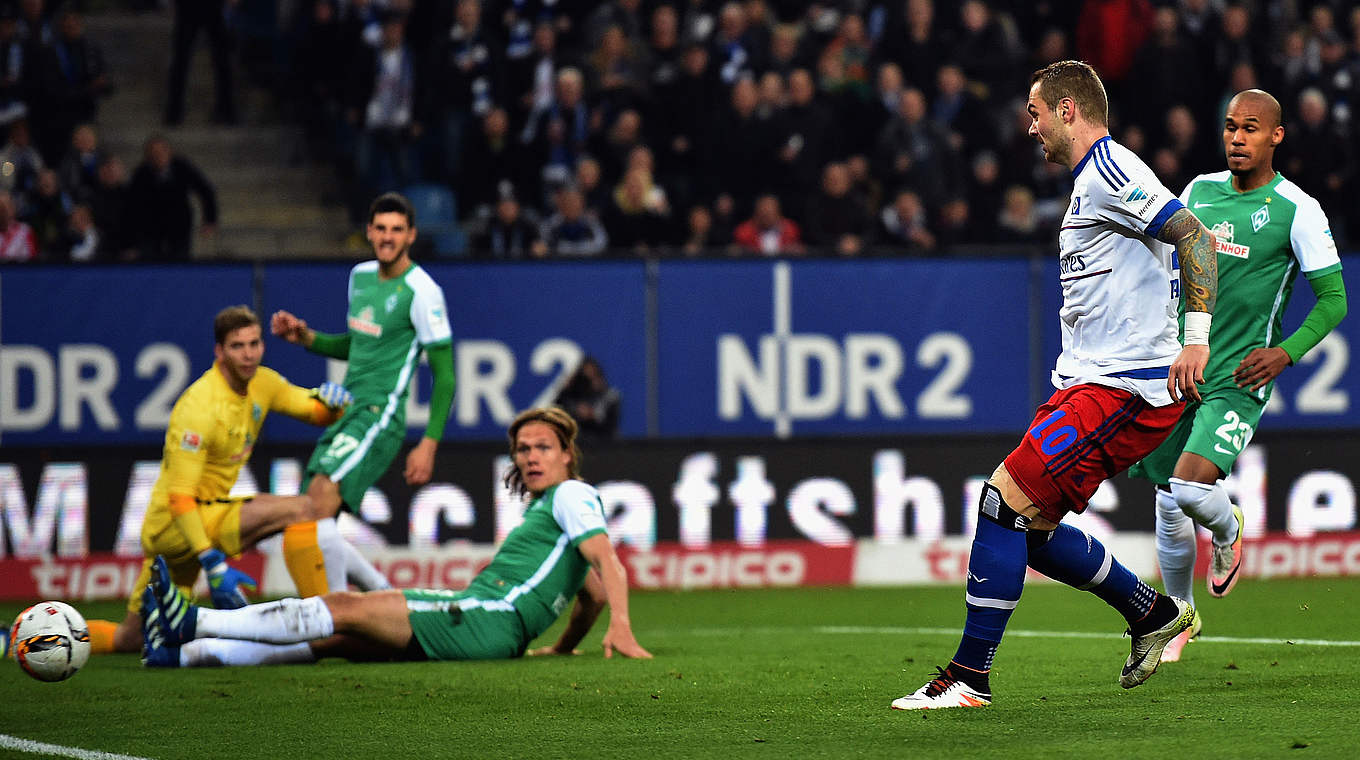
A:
x,y
1053,440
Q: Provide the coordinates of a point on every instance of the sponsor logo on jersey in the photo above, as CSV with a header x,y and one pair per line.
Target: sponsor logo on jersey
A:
x,y
1223,241
191,441
1073,262
1202,204
1134,194
363,323
1260,218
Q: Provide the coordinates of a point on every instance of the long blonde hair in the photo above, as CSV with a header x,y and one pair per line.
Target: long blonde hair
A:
x,y
562,424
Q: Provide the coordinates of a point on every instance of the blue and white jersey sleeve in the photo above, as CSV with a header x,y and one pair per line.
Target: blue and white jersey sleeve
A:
x,y
429,315
578,510
1126,192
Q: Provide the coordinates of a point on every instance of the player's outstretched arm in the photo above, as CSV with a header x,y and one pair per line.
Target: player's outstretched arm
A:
x,y
619,638
1199,289
590,601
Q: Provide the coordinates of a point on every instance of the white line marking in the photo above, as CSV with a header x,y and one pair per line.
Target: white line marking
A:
x,y
27,745
838,630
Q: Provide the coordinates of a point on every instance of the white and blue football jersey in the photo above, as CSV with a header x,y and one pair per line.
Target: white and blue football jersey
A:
x,y
1119,283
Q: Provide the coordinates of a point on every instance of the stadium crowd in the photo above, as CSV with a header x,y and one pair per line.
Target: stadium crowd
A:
x,y
782,127
568,128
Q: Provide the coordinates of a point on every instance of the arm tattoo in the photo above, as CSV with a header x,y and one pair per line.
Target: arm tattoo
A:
x,y
1199,263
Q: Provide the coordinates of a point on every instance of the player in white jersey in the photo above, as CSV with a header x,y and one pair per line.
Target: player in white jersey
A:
x,y
561,550
1122,380
1268,231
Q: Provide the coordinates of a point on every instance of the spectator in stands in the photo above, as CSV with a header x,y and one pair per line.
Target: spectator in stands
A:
x,y
573,231
383,89
915,152
984,197
768,232
209,17
530,78
17,243
591,401
1168,73
838,221
921,48
19,66
612,147
74,78
35,26
624,14
786,50
110,210
803,145
903,227
509,234
616,72
79,169
637,218
960,112
24,159
319,79
1290,69
888,89
159,202
1234,45
46,208
1320,159
589,180
1109,33
1019,221
468,68
492,158
698,239
742,160
985,51
732,50
682,125
557,136
79,242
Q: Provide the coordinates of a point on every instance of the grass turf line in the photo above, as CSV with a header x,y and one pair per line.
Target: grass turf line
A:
x,y
749,674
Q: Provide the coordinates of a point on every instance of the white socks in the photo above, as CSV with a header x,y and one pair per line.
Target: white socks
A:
x,y
1175,547
333,550
1209,506
212,652
360,571
287,621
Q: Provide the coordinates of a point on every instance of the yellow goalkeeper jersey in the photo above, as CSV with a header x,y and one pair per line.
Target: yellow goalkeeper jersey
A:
x,y
211,434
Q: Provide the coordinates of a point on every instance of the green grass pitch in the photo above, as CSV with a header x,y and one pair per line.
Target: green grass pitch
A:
x,y
766,674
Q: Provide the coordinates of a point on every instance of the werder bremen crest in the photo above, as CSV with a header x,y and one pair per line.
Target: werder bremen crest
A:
x,y
1260,218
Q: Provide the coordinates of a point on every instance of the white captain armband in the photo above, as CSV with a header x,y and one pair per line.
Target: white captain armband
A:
x,y
1197,328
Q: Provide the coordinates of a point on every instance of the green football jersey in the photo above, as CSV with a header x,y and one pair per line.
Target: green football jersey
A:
x,y
1265,237
538,568
390,321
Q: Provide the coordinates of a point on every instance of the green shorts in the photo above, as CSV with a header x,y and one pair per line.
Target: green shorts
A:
x,y
354,452
1217,428
451,625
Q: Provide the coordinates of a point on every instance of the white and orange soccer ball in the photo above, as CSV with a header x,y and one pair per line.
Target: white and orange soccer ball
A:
x,y
51,641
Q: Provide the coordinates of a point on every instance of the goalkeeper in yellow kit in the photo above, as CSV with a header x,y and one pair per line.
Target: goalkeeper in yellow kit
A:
x,y
214,425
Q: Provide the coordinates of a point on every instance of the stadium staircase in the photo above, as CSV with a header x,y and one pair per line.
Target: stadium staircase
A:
x,y
268,205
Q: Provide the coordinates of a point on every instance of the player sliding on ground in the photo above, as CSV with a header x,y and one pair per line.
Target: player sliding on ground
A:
x,y
1268,230
1122,379
560,550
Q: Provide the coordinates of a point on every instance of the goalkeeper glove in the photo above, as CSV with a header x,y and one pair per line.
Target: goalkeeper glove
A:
x,y
225,581
333,395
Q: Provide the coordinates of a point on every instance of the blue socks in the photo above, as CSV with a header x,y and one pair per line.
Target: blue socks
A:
x,y
996,577
1068,555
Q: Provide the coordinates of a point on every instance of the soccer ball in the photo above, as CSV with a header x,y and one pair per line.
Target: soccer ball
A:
x,y
51,641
